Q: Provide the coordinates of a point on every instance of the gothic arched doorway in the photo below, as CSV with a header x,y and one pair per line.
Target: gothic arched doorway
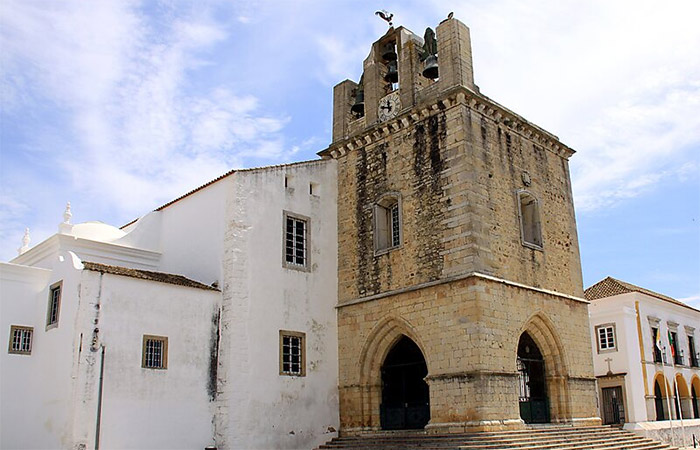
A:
x,y
405,396
534,405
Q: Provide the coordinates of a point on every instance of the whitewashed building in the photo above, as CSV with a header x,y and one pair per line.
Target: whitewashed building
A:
x,y
208,322
646,359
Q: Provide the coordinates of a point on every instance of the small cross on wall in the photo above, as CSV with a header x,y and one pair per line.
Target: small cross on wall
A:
x,y
609,360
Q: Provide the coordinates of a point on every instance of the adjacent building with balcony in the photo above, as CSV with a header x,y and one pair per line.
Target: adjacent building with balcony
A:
x,y
646,358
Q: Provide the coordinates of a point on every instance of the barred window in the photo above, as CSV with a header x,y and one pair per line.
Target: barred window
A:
x,y
296,241
292,353
54,306
395,225
155,352
387,223
21,340
606,337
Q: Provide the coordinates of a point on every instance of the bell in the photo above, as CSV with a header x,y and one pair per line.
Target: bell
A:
x,y
359,106
392,75
431,67
389,52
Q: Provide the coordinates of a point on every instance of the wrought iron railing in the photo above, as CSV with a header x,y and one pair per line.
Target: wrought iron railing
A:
x,y
678,359
694,360
657,355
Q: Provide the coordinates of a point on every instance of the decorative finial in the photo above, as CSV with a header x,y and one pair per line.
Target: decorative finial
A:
x,y
66,227
386,15
67,214
25,242
450,15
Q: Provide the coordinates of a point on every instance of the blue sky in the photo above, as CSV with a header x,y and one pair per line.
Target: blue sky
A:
x,y
121,106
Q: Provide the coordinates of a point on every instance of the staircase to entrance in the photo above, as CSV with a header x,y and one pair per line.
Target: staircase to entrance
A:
x,y
533,438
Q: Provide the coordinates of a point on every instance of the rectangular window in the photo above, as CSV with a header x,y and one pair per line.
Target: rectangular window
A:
x,y
20,340
154,352
675,353
387,223
296,238
54,307
656,343
292,357
530,225
606,337
691,352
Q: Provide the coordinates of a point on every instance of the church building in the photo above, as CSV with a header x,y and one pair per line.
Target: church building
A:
x,y
423,274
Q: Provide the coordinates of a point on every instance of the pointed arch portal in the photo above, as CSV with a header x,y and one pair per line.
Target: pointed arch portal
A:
x,y
534,405
405,397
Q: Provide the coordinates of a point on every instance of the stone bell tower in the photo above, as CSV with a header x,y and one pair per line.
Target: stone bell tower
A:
x,y
459,278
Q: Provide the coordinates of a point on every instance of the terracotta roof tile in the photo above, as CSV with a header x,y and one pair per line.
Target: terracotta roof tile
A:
x,y
160,277
610,286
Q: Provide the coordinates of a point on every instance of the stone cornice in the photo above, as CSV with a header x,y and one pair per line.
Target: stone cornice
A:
x,y
458,278
459,95
26,274
87,249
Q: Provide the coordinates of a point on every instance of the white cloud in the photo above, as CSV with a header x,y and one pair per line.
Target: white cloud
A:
x,y
341,59
619,82
136,135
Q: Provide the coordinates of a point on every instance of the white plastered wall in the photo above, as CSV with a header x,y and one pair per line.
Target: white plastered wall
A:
x,y
37,389
262,409
192,230
146,408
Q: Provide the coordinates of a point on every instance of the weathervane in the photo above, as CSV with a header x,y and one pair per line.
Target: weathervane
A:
x,y
386,15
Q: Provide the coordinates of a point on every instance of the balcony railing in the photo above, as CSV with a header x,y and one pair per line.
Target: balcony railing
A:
x,y
657,355
694,360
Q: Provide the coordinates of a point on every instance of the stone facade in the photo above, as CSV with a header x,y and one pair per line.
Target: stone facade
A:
x,y
462,284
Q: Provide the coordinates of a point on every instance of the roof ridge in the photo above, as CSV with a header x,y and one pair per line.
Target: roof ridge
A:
x,y
143,274
225,175
622,284
610,287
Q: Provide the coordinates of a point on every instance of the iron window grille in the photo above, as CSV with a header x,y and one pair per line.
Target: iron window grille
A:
x,y
387,223
296,239
21,340
292,353
395,227
154,352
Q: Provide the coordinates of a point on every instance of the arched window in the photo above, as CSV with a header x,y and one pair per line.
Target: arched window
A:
x,y
387,222
530,226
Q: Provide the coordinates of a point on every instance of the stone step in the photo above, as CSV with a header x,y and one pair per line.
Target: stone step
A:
x,y
475,439
540,438
479,435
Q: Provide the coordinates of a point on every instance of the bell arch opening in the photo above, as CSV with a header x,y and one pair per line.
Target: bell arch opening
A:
x,y
534,402
405,397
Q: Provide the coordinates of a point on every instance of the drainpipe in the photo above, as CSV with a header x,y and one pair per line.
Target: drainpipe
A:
x,y
99,400
95,347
